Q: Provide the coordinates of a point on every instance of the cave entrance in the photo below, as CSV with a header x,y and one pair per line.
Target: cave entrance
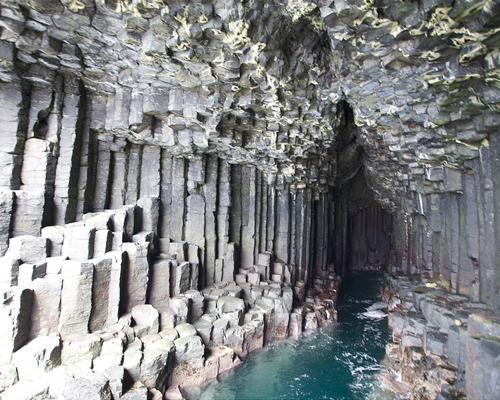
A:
x,y
363,229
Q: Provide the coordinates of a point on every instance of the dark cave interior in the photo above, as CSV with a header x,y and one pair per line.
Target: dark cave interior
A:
x,y
362,227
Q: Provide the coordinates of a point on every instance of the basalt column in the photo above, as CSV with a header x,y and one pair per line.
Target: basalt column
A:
x,y
363,239
363,229
184,182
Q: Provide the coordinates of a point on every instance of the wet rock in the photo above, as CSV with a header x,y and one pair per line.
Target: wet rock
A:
x,y
296,321
251,167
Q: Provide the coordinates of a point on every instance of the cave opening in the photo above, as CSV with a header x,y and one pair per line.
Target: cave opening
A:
x,y
363,228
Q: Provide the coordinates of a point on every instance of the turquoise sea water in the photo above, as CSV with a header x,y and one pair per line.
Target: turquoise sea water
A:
x,y
339,362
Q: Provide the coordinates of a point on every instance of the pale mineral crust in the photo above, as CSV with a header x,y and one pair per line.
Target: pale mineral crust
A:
x,y
186,182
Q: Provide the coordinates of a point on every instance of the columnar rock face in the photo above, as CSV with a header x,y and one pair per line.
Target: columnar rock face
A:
x,y
443,344
137,319
221,164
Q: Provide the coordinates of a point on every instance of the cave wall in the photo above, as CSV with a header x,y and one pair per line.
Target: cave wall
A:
x,y
227,122
363,229
166,191
101,109
421,78
452,237
205,199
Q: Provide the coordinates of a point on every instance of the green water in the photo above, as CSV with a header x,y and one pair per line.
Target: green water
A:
x,y
339,362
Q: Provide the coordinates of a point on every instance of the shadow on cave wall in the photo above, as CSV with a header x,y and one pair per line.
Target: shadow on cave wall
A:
x,y
363,229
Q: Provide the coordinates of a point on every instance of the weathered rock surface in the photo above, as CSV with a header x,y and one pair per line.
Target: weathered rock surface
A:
x,y
72,324
443,344
203,173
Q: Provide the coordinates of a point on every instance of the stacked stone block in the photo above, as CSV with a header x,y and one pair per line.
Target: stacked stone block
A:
x,y
73,318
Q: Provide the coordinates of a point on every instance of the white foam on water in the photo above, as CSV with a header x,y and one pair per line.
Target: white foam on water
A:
x,y
374,314
377,306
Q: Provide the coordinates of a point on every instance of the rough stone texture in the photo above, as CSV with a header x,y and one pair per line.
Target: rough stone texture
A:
x,y
189,349
28,249
135,275
146,318
71,298
157,364
40,355
15,315
181,273
78,242
55,234
46,307
77,286
238,158
105,291
159,286
92,386
443,333
6,205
